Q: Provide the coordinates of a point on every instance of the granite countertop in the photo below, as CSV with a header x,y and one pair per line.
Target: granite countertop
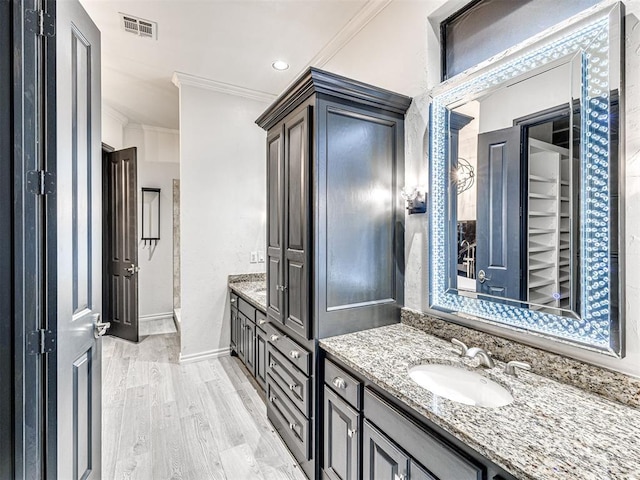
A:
x,y
550,431
252,287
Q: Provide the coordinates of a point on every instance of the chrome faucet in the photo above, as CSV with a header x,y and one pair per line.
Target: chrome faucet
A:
x,y
484,357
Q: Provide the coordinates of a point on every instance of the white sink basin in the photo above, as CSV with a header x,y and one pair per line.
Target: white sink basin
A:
x,y
460,385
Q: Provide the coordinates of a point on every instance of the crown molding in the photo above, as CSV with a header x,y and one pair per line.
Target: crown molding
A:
x,y
360,20
153,128
116,115
179,79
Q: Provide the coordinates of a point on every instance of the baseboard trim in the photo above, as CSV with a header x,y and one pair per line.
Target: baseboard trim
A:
x,y
208,355
155,316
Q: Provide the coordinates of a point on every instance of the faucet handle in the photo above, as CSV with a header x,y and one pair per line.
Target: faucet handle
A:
x,y
510,369
463,347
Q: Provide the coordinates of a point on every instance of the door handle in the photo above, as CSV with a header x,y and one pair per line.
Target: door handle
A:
x,y
100,328
132,269
482,276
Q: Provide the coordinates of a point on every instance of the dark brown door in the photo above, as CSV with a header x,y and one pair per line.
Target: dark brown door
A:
x,y
121,243
296,224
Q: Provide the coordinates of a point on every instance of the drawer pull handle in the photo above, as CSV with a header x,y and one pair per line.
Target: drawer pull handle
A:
x,y
272,365
351,433
275,338
339,382
262,322
294,354
292,386
293,426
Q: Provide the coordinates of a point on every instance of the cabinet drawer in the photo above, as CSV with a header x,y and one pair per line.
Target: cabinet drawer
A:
x,y
289,348
293,382
261,319
233,300
288,421
439,457
247,309
343,384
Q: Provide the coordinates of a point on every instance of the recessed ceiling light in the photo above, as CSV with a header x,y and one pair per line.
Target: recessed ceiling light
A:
x,y
280,65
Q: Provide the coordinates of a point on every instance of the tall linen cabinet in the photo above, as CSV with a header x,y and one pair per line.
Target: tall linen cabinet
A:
x,y
335,235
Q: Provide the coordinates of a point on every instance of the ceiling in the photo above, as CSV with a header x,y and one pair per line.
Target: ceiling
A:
x,y
232,42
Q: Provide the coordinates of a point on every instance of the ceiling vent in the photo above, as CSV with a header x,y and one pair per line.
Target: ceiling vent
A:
x,y
139,26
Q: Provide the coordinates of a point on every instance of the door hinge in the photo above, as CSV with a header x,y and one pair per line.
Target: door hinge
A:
x,y
41,182
40,342
39,22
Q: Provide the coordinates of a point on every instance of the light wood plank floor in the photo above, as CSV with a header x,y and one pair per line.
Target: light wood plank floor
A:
x,y
162,420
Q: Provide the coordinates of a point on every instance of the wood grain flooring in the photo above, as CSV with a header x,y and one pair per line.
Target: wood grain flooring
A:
x,y
205,420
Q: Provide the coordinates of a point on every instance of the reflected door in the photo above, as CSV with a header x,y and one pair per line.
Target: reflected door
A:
x,y
498,255
79,227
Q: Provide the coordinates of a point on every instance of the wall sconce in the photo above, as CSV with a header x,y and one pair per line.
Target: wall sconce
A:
x,y
415,198
463,176
150,215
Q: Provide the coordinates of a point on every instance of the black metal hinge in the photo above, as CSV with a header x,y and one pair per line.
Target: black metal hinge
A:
x,y
41,182
40,342
39,22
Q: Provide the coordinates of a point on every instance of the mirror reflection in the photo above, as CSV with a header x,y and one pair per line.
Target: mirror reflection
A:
x,y
515,160
524,187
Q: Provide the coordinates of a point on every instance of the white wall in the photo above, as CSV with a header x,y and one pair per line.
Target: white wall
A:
x,y
158,164
113,123
223,200
418,42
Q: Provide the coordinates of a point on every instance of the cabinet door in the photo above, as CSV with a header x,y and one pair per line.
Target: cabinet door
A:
x,y
297,223
234,330
261,357
275,224
341,438
250,346
240,324
382,459
416,472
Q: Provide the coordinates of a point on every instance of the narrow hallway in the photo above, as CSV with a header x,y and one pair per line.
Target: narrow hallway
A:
x,y
196,421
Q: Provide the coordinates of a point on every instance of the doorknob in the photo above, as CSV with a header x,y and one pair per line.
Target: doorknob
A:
x,y
100,328
482,276
132,269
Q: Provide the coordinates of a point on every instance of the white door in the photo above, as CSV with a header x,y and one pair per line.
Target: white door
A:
x,y
79,222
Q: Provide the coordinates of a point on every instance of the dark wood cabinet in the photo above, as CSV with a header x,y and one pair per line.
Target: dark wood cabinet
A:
x,y
248,338
234,326
395,443
261,357
335,219
341,438
249,345
335,226
381,458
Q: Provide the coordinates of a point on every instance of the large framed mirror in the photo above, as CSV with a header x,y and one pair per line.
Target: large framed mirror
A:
x,y
525,183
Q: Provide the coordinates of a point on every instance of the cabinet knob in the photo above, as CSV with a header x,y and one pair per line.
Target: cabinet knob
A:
x,y
351,433
292,386
272,365
294,354
233,300
293,426
275,338
339,382
261,322
272,399
400,476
